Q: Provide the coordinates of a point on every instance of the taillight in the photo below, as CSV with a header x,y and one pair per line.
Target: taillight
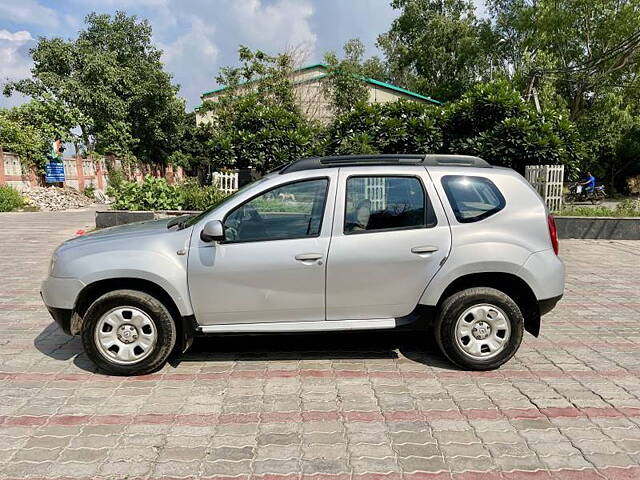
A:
x,y
553,233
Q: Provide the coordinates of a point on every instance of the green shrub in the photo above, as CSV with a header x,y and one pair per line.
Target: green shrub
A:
x,y
89,191
156,194
196,197
10,199
116,178
152,194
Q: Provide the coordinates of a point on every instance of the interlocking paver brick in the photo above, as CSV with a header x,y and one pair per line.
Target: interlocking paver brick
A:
x,y
375,406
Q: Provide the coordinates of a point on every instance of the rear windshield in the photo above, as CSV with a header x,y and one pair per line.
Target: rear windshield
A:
x,y
472,198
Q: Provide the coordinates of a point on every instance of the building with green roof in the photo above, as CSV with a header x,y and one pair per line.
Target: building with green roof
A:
x,y
308,82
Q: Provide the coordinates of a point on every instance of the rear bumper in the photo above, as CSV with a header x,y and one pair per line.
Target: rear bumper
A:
x,y
548,304
544,272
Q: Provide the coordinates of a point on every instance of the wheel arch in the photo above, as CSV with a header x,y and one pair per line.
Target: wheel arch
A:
x,y
508,283
91,292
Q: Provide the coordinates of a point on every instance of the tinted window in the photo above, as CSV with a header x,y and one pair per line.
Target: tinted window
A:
x,y
472,198
294,210
383,203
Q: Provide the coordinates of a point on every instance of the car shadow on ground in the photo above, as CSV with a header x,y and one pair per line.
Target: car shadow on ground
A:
x,y
417,346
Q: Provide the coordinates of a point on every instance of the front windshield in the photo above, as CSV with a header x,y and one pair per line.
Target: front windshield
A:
x,y
196,218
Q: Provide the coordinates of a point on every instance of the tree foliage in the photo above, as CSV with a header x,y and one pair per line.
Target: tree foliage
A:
x,y
113,76
29,129
398,127
256,121
345,84
492,121
24,140
436,47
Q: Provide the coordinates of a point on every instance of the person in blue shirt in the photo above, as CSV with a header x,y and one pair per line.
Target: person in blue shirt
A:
x,y
589,183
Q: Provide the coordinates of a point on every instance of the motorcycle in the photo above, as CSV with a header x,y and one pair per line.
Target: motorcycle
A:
x,y
578,193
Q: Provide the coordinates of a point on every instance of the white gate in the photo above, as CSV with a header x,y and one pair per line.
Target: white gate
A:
x,y
547,180
226,182
375,191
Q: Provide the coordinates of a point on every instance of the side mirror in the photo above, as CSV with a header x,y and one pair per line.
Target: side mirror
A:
x,y
213,231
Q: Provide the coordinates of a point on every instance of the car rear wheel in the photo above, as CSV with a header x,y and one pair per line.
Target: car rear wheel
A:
x,y
479,328
127,332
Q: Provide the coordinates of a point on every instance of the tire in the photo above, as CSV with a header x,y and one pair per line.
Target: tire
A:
x,y
139,327
597,198
471,307
570,199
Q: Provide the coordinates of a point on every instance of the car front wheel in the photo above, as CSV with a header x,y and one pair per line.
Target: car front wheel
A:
x,y
127,332
479,328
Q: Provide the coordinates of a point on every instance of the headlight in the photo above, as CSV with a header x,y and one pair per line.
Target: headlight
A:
x,y
52,262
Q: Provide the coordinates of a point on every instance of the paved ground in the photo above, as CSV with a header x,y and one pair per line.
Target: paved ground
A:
x,y
342,407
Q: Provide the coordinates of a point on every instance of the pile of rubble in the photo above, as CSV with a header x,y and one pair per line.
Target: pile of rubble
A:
x,y
55,198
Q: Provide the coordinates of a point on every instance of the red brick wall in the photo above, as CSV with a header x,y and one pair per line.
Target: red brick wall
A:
x,y
96,174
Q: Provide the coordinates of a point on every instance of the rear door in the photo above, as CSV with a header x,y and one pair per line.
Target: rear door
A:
x,y
390,235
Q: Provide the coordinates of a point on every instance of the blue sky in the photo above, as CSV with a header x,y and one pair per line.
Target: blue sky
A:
x,y
198,36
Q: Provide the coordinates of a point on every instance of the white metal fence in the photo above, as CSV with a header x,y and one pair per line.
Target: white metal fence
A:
x,y
227,182
547,180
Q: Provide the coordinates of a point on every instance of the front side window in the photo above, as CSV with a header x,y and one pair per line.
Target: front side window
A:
x,y
385,203
294,210
472,198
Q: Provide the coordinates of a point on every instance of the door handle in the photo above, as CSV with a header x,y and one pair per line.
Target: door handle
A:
x,y
424,249
308,257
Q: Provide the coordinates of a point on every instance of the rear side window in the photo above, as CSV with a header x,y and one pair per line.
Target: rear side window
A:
x,y
472,198
382,203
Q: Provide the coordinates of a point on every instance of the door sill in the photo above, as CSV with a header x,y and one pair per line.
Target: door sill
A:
x,y
315,326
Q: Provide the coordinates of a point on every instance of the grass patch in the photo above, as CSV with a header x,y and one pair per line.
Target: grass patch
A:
x,y
627,208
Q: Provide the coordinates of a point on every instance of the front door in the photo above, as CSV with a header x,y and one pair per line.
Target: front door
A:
x,y
271,266
390,235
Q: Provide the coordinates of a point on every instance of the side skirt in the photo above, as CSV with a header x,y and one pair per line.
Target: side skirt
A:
x,y
315,326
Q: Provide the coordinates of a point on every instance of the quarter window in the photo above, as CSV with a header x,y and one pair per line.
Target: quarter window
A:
x,y
386,203
294,210
472,198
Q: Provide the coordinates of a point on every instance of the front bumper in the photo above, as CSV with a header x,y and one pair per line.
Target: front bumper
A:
x,y
59,296
62,317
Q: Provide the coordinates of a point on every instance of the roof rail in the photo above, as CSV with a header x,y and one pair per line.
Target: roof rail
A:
x,y
433,160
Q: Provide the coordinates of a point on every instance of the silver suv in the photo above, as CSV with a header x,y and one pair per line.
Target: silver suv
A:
x,y
330,243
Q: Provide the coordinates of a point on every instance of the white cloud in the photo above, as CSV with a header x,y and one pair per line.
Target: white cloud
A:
x,y
196,41
20,36
275,26
14,55
192,58
14,60
28,12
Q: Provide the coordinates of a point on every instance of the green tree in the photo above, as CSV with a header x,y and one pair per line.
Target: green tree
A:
x,y
112,74
24,140
396,127
29,129
345,84
256,121
437,47
193,149
582,57
583,48
492,121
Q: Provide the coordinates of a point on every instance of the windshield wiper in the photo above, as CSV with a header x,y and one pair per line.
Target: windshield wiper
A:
x,y
180,221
